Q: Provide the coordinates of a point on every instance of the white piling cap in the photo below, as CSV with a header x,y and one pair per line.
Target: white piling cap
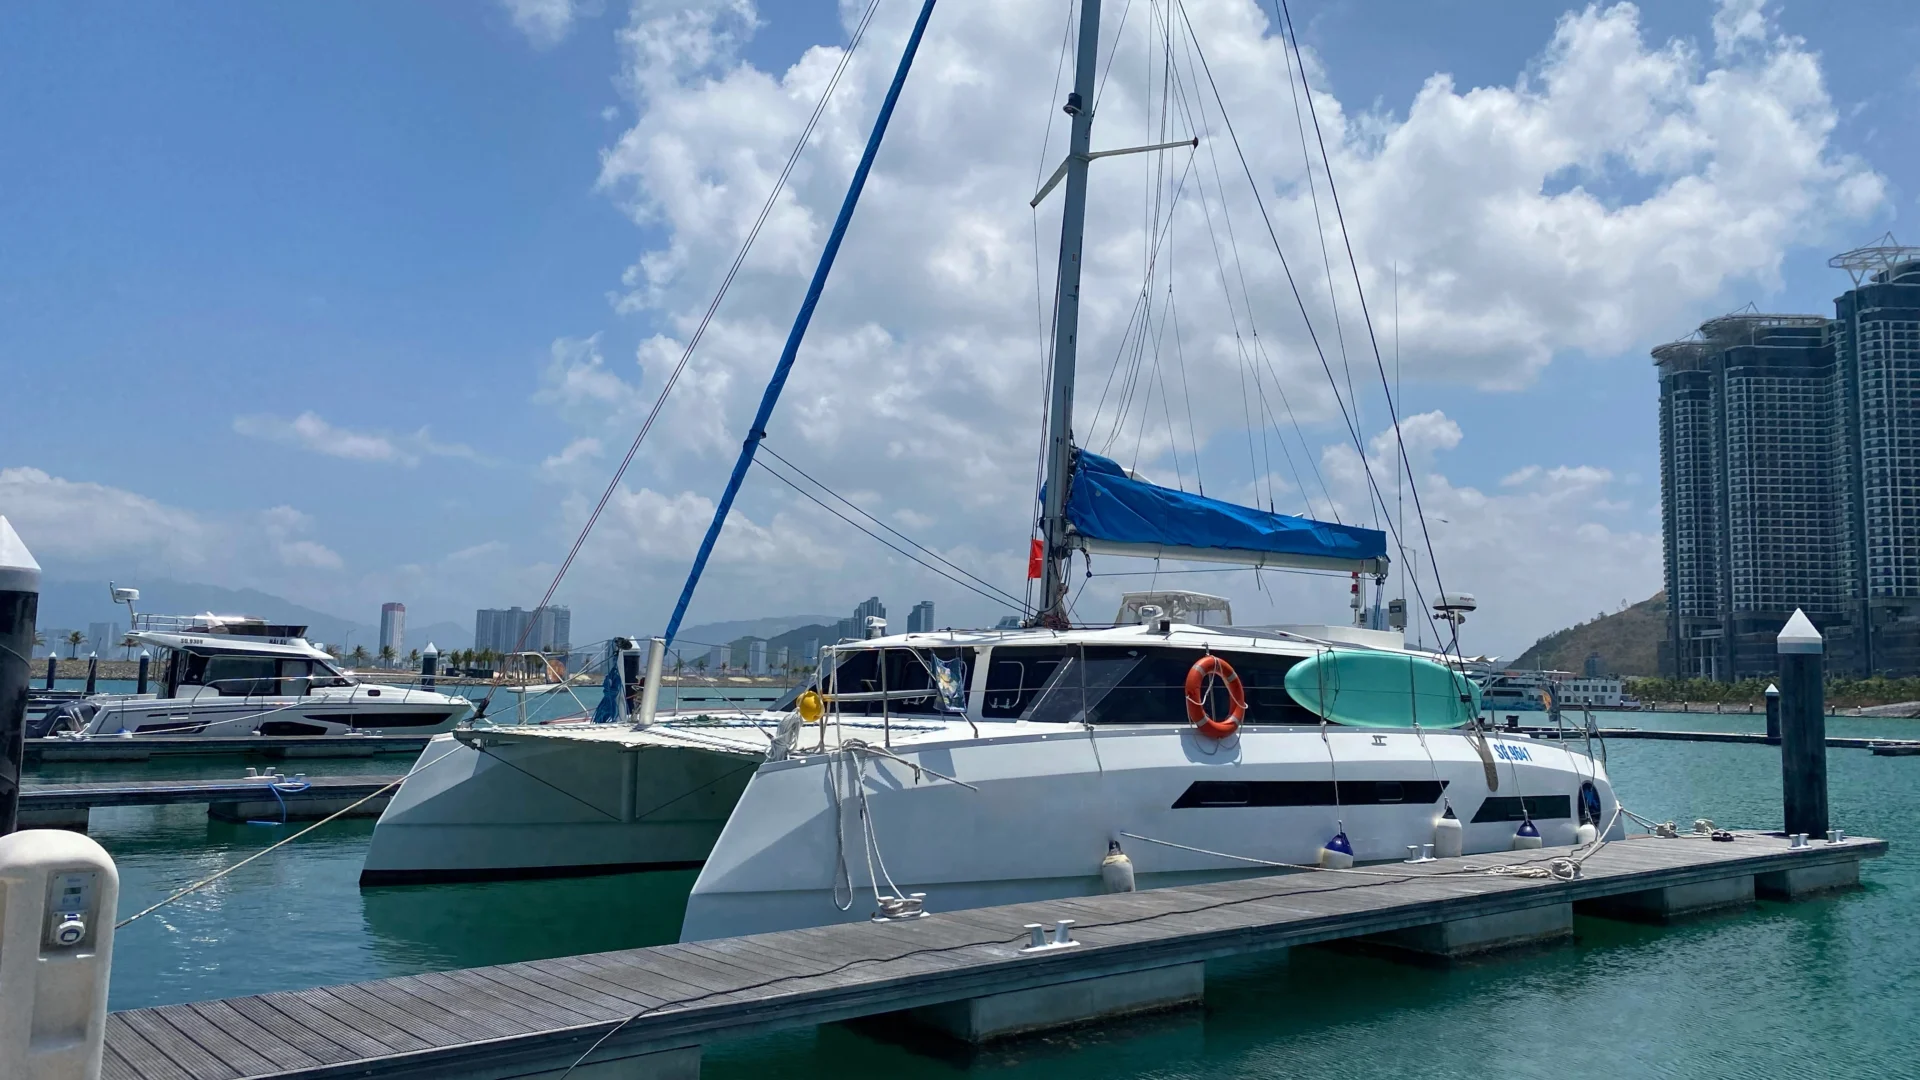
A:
x,y
18,571
1799,636
1772,690
430,650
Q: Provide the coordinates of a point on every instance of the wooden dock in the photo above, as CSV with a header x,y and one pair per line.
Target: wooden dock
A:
x,y
1884,747
240,798
968,973
271,747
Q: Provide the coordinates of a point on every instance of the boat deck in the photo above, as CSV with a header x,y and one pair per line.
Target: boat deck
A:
x,y
539,1017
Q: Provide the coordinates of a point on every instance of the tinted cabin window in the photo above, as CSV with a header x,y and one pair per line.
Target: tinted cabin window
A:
x,y
241,676
907,671
1015,676
1125,685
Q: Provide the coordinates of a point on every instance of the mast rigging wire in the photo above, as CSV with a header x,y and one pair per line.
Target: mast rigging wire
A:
x,y
1300,301
924,549
1007,600
1346,237
693,341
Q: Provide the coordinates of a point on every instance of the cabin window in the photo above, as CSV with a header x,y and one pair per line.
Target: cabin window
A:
x,y
1015,675
909,680
294,677
241,676
1110,684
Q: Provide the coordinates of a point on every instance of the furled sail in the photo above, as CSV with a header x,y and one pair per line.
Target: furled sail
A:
x,y
1113,513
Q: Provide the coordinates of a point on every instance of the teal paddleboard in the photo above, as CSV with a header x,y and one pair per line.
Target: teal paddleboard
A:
x,y
1381,689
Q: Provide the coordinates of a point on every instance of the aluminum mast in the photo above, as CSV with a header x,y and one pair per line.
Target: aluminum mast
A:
x,y
1066,325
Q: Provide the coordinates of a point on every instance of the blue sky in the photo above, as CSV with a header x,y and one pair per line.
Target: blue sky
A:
x,y
218,218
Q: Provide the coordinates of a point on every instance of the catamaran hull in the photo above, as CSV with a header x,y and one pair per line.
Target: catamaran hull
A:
x,y
497,807
1036,821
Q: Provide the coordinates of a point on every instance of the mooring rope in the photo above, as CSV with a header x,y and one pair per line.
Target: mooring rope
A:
x,y
276,845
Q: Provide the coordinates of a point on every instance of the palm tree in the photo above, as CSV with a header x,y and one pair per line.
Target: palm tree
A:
x,y
75,639
413,658
358,655
386,656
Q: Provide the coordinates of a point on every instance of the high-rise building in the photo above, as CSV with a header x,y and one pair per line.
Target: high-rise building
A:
x,y
1790,478
553,629
757,657
393,629
856,627
780,655
720,658
920,619
514,629
103,638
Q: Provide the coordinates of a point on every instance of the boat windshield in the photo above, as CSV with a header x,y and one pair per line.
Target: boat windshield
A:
x,y
1117,684
908,682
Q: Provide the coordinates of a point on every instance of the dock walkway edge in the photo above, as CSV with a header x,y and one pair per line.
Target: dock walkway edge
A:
x,y
533,1018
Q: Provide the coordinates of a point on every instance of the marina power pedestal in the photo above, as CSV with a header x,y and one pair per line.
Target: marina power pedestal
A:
x,y
58,893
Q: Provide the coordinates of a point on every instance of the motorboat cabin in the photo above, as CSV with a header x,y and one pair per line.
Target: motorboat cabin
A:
x,y
237,675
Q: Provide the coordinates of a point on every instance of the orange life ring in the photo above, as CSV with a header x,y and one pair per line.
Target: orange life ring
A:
x,y
1213,667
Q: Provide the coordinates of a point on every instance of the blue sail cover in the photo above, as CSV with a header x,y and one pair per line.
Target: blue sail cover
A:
x,y
1105,504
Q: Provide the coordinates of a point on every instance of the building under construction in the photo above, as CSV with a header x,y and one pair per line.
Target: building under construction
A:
x,y
1790,478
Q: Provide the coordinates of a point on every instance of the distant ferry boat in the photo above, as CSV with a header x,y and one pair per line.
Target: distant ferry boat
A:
x,y
1504,692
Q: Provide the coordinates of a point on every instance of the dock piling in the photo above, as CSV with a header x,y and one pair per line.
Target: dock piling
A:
x,y
19,606
429,666
1803,727
53,669
1773,714
146,661
93,673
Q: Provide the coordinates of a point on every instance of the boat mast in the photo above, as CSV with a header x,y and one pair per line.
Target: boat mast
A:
x,y
1066,326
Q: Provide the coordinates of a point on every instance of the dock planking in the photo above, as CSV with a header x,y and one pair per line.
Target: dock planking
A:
x,y
539,1016
1885,747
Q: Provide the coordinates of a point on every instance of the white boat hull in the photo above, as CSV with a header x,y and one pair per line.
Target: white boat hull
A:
x,y
1041,809
491,805
363,709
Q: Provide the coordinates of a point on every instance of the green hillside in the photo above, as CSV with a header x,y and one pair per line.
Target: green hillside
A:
x,y
1628,642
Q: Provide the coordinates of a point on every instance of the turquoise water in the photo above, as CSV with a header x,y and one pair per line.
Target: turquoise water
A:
x,y
1828,987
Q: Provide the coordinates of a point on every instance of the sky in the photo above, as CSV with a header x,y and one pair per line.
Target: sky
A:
x,y
363,302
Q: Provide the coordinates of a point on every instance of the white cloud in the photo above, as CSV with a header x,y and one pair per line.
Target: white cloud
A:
x,y
1606,198
579,450
546,23
309,431
83,528
69,520
1535,555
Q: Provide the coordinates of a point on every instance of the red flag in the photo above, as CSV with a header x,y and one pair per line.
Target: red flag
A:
x,y
1036,560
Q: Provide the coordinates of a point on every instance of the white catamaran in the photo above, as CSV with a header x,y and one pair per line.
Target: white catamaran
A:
x,y
938,771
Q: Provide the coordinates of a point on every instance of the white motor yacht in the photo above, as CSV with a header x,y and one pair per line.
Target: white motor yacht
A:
x,y
235,675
